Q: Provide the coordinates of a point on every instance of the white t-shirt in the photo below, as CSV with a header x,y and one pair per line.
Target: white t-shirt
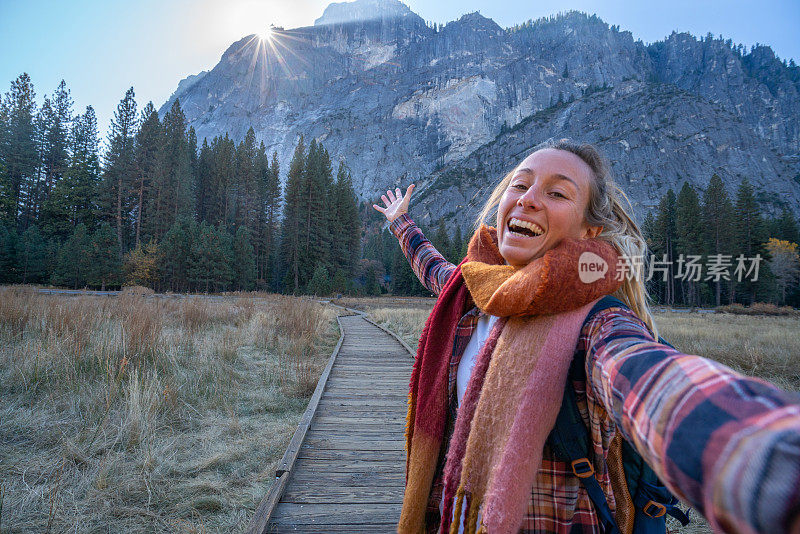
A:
x,y
465,366
479,335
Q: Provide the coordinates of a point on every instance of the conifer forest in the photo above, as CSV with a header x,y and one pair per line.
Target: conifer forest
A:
x,y
151,205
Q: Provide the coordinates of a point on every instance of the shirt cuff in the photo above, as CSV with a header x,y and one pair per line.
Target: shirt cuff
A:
x,y
400,225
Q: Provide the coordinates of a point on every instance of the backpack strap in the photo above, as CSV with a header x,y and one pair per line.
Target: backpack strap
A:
x,y
570,439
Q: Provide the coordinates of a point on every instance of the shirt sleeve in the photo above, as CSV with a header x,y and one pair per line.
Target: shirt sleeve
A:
x,y
430,267
727,444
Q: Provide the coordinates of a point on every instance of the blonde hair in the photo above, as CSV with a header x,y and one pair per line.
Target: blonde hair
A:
x,y
605,208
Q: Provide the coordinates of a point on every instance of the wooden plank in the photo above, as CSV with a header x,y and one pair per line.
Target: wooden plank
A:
x,y
371,528
356,394
367,464
333,514
376,403
356,420
394,455
354,410
354,494
355,445
327,479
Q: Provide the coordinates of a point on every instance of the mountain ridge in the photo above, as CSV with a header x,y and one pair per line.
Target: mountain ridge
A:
x,y
426,99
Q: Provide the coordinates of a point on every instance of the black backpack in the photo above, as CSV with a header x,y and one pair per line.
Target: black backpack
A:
x,y
570,442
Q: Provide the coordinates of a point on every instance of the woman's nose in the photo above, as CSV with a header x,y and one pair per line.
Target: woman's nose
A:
x,y
529,199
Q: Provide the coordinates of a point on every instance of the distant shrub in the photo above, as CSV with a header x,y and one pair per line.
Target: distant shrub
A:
x,y
759,308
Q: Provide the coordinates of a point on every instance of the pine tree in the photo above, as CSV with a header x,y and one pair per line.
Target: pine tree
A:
x,y
176,250
371,285
223,161
120,170
320,236
340,283
176,195
664,241
32,256
203,189
244,263
148,142
688,237
72,263
441,239
19,152
7,254
72,200
313,215
211,258
785,227
458,247
717,222
55,141
245,187
272,204
319,284
345,224
105,264
291,236
749,236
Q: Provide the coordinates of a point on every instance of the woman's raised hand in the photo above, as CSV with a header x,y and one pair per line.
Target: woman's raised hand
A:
x,y
396,205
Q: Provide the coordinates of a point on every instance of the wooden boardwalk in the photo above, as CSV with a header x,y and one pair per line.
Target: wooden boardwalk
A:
x,y
349,469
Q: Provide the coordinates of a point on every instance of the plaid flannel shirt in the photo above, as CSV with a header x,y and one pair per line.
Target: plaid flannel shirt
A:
x,y
730,447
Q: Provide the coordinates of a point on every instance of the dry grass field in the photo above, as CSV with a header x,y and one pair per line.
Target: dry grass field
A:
x,y
137,414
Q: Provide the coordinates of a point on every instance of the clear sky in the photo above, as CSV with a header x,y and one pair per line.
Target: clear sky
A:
x,y
102,47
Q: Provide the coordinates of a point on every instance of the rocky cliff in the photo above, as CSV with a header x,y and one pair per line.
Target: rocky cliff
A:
x,y
454,107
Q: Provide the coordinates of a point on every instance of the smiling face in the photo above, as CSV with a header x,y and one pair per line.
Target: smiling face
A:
x,y
545,202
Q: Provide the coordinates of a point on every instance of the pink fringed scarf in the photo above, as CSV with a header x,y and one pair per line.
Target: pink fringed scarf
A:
x,y
516,386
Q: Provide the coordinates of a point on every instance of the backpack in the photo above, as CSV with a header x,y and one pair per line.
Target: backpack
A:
x,y
570,442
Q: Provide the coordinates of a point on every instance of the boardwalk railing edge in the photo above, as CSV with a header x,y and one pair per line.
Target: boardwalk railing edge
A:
x,y
258,524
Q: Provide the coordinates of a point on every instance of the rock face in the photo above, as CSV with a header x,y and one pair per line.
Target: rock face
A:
x,y
455,107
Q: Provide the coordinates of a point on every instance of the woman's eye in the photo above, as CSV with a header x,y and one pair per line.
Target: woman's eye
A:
x,y
557,193
520,187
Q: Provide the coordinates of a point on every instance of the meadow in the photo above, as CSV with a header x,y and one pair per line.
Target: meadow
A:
x,y
137,413
145,413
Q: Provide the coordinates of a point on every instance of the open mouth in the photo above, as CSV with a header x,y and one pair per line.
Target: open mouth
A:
x,y
524,228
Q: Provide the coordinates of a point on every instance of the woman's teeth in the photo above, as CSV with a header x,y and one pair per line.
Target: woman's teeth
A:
x,y
525,228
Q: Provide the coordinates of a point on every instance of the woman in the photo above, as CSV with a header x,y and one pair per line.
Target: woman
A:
x,y
493,359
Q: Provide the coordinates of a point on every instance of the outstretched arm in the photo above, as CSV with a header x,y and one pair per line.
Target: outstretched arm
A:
x,y
431,268
726,443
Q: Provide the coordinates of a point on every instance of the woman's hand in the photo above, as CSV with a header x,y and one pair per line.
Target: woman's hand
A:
x,y
395,204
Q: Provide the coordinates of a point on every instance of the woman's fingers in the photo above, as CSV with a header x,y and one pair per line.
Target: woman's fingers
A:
x,y
391,195
409,190
385,201
380,209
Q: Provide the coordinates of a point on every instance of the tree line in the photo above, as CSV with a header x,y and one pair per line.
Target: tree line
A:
x,y
719,229
153,208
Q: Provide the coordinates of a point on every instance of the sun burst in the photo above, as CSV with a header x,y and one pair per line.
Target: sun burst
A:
x,y
267,34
